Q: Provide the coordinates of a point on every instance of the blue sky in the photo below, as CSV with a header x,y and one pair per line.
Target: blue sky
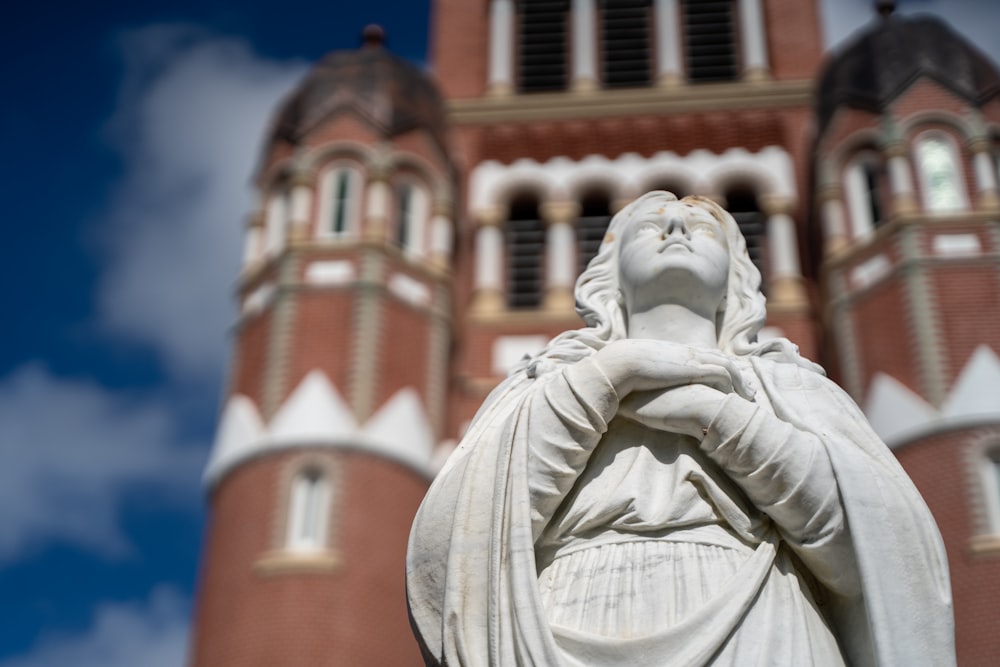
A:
x,y
133,129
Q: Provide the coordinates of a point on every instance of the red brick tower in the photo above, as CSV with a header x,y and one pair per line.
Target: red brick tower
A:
x,y
906,157
338,387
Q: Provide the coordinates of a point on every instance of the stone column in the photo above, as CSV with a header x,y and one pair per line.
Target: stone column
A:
x,y
753,39
488,286
377,200
441,235
301,199
668,42
584,27
985,170
253,247
501,47
785,287
560,254
904,198
834,223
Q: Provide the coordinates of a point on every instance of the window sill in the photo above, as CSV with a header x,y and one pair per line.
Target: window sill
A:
x,y
280,562
985,545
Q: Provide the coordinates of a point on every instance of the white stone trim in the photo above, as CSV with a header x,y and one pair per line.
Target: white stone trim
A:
x,y
332,272
899,415
316,415
492,184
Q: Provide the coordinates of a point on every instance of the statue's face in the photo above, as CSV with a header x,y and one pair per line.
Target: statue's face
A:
x,y
673,251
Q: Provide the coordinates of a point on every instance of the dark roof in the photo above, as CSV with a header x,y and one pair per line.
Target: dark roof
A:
x,y
894,51
389,93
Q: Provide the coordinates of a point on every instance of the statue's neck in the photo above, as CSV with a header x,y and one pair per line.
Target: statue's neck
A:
x,y
674,323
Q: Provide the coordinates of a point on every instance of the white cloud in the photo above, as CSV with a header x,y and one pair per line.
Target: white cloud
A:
x,y
153,634
71,452
189,123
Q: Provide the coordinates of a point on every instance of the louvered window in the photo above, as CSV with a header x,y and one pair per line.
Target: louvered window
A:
x,y
595,215
743,206
709,35
625,43
525,255
542,47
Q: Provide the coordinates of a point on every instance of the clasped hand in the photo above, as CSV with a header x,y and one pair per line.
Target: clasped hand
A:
x,y
671,386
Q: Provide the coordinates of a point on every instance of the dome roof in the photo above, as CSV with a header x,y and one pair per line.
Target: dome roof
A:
x,y
894,51
389,93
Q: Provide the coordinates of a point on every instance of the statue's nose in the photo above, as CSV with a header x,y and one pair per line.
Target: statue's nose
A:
x,y
674,224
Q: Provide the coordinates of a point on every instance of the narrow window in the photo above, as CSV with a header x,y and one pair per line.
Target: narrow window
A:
x,y
872,175
625,43
939,168
308,512
742,204
542,52
709,35
339,198
404,215
525,255
411,217
864,180
341,192
595,214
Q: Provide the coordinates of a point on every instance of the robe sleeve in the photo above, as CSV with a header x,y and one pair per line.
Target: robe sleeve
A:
x,y
568,415
787,474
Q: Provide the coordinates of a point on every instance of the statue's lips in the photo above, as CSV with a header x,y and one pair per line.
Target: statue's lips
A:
x,y
673,243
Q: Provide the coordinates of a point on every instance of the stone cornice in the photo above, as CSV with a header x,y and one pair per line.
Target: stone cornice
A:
x,y
567,105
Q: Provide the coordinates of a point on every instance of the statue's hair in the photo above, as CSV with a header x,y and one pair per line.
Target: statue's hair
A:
x,y
600,302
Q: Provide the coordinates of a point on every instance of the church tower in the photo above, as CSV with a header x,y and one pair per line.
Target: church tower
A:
x,y
338,381
410,246
908,116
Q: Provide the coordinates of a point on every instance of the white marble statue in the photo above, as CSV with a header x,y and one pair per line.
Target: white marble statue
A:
x,y
660,488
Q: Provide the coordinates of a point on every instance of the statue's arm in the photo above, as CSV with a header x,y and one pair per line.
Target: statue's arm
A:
x,y
566,418
787,474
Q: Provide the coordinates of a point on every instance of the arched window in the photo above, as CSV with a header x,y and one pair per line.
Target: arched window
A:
x,y
940,170
339,198
308,511
710,38
742,203
411,215
278,214
525,254
864,181
542,45
595,214
625,43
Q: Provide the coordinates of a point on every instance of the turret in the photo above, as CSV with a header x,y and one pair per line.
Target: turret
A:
x,y
337,390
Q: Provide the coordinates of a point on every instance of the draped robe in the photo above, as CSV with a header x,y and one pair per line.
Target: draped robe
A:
x,y
840,534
